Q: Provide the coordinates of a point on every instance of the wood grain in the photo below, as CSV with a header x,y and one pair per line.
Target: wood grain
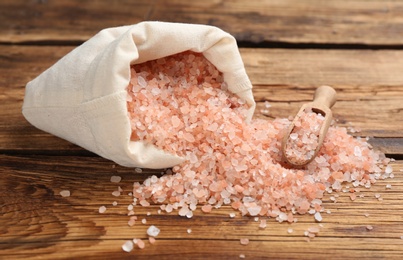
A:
x,y
376,22
36,222
355,46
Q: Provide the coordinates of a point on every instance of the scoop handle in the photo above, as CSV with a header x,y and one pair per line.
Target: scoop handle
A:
x,y
325,95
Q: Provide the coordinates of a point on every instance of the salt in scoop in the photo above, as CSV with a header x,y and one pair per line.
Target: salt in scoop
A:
x,y
318,118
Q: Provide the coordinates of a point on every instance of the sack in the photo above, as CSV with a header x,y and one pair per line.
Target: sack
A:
x,y
82,98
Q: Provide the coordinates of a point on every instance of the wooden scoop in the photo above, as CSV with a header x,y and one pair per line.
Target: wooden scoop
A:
x,y
324,99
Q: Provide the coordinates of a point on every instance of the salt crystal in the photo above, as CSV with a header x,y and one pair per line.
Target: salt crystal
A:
x,y
151,240
244,241
141,81
232,215
318,216
115,203
116,179
241,256
256,219
369,227
130,207
183,211
253,211
153,231
388,169
127,246
65,193
357,151
229,162
189,231
290,230
140,243
144,221
102,209
313,229
263,223
116,193
388,186
294,136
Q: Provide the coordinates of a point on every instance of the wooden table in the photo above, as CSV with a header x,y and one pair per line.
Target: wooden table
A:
x,y
289,47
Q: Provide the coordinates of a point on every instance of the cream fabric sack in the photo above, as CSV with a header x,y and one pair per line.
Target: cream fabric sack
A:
x,y
82,98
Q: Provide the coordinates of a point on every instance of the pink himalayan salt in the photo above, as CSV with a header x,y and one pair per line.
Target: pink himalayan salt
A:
x,y
304,138
132,221
244,241
263,223
116,193
127,246
237,164
102,209
116,179
151,240
206,208
65,193
140,243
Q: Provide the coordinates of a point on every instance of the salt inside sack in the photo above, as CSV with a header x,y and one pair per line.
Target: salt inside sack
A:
x,y
82,98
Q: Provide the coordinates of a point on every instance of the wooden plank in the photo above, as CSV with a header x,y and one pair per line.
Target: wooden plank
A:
x,y
36,222
65,20
369,85
375,22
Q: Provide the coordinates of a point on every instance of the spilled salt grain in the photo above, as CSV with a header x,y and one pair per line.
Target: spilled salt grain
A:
x,y
244,241
153,231
189,231
263,223
127,246
206,208
116,179
388,186
151,240
140,243
253,211
388,169
238,164
290,230
102,209
116,193
232,215
369,227
241,256
115,203
144,221
65,193
132,221
313,229
357,151
138,170
318,217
